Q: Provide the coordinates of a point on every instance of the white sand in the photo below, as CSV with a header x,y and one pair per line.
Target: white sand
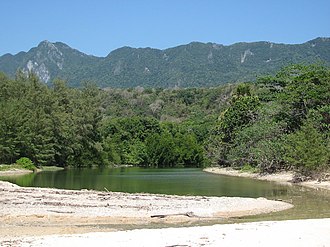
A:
x,y
42,211
284,177
20,201
281,177
314,232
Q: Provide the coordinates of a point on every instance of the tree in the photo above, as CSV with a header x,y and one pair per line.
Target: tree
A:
x,y
34,135
86,118
299,89
63,125
189,152
11,109
161,150
242,111
9,124
306,149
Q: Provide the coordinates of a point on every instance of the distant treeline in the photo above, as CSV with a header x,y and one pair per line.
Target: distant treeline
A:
x,y
278,122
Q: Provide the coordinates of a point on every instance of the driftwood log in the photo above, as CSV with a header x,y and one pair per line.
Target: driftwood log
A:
x,y
188,214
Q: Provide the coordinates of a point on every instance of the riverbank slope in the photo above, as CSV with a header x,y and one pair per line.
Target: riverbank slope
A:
x,y
14,172
285,177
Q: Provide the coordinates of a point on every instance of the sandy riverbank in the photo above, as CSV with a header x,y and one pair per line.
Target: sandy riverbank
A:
x,y
42,211
15,172
45,217
281,177
313,232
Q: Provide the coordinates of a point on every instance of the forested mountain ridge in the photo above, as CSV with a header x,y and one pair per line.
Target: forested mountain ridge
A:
x,y
191,65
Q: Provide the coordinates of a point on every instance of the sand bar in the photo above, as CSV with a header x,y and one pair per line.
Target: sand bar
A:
x,y
313,232
42,211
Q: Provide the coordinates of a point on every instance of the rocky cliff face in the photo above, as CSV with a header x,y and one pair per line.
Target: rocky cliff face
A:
x,y
47,54
48,61
192,65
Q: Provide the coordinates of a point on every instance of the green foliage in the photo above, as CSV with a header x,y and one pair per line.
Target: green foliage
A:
x,y
26,163
279,122
179,150
241,113
249,168
124,138
243,89
306,149
259,144
143,141
299,89
287,126
48,125
161,151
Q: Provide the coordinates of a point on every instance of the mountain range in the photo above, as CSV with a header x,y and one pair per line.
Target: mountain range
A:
x,y
191,65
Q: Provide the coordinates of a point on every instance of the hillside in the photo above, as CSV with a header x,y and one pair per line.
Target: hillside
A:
x,y
192,65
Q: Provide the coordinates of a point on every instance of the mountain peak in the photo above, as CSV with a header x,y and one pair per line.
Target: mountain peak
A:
x,y
190,65
45,43
320,39
48,45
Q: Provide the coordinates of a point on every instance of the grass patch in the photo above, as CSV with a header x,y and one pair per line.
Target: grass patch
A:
x,y
249,168
52,168
22,163
4,167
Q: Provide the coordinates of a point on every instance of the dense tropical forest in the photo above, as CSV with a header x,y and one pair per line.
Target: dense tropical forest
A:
x,y
277,122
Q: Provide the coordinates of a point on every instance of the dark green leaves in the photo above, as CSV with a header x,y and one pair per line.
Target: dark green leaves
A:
x,y
285,125
306,149
49,126
242,112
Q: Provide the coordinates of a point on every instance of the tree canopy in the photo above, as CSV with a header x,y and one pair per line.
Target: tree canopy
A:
x,y
278,122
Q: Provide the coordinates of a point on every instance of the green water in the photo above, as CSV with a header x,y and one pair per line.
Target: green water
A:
x,y
309,203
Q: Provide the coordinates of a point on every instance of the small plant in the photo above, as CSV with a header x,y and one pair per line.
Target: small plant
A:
x,y
249,168
26,163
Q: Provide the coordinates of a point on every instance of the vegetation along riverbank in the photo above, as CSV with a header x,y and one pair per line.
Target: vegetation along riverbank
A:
x,y
277,122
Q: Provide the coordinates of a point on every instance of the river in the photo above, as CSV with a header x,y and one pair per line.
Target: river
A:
x,y
309,203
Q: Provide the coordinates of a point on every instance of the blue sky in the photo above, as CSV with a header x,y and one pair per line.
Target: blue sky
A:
x,y
99,26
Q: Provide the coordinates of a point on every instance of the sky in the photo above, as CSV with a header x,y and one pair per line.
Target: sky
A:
x,y
97,27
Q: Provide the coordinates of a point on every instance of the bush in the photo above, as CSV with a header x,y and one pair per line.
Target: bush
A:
x,y
249,168
306,149
26,163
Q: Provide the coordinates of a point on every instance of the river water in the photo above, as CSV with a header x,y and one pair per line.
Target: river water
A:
x,y
308,203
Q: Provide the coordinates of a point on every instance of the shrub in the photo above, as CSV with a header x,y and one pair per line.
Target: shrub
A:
x,y
249,168
26,163
306,149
